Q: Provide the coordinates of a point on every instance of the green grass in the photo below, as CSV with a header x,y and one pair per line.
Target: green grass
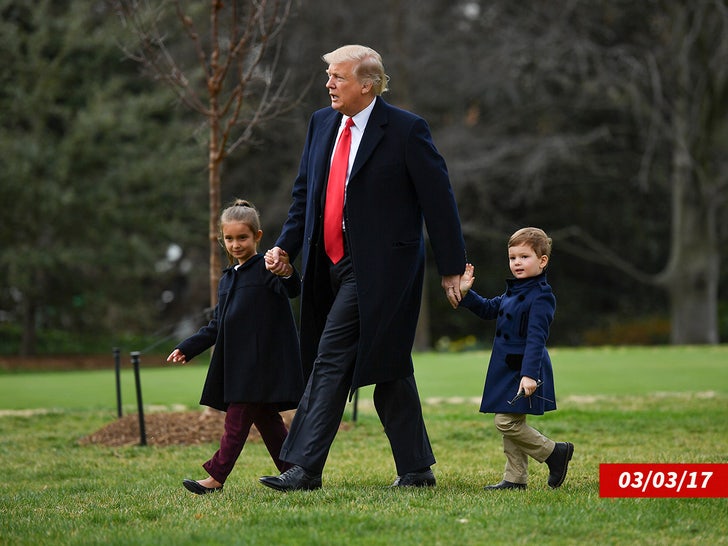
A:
x,y
616,405
590,372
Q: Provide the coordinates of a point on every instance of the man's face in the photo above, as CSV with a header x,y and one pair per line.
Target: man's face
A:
x,y
348,95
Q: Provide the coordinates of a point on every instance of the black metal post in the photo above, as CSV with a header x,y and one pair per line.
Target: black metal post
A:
x,y
140,406
356,404
117,368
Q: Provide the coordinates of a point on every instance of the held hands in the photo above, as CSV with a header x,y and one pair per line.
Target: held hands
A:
x,y
177,357
278,262
451,285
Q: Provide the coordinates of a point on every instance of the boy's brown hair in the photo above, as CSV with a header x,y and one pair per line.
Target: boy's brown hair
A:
x,y
535,238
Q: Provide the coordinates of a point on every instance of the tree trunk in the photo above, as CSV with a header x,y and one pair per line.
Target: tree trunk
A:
x,y
692,275
214,167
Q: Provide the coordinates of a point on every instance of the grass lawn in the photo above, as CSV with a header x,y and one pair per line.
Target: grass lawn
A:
x,y
616,405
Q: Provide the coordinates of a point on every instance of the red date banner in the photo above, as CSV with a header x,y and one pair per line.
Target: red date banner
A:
x,y
663,480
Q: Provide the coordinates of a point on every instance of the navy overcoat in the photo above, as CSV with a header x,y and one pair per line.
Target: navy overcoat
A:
x,y
523,316
256,356
397,181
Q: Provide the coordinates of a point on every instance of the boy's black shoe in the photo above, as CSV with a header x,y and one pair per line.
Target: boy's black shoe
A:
x,y
558,463
505,485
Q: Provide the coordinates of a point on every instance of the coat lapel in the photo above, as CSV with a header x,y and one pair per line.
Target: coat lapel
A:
x,y
372,135
329,127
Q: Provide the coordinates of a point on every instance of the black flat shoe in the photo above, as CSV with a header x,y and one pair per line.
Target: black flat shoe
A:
x,y
558,463
416,479
506,485
295,478
198,489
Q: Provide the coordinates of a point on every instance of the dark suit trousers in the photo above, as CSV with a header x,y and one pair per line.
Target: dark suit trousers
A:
x,y
238,420
319,412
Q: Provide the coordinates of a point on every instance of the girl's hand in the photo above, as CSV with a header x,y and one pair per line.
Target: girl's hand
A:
x,y
466,280
177,356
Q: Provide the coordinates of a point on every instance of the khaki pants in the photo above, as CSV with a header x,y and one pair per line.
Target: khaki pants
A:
x,y
519,442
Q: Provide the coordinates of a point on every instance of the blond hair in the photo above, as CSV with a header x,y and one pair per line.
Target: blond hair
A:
x,y
368,69
533,237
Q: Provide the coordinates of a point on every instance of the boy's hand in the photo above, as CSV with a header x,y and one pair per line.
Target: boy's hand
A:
x,y
528,385
466,280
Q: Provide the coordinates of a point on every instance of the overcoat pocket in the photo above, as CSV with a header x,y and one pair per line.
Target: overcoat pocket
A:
x,y
514,361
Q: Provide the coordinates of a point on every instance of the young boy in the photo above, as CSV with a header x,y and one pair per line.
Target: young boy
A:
x,y
520,380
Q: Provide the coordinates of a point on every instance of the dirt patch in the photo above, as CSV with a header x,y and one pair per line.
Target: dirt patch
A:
x,y
71,362
165,429
173,428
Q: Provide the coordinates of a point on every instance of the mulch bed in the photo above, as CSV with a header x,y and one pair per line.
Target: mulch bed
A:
x,y
161,428
165,429
60,362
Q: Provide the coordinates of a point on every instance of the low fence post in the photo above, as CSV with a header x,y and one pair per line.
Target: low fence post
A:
x,y
356,404
140,405
117,367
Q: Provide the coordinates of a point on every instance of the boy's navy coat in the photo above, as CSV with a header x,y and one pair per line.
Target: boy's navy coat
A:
x,y
398,179
256,356
523,318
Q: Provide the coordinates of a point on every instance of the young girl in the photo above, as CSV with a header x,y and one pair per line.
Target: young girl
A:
x,y
255,369
520,378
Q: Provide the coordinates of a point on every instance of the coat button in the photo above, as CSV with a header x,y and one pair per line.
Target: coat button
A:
x,y
497,333
509,316
521,297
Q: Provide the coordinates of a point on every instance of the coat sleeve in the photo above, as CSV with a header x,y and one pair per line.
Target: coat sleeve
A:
x,y
485,308
540,316
292,233
429,174
289,287
202,340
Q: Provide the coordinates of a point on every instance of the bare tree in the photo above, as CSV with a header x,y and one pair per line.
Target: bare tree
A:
x,y
659,69
226,74
678,94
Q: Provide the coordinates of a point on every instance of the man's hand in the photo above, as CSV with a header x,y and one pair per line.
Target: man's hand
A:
x,y
276,261
451,285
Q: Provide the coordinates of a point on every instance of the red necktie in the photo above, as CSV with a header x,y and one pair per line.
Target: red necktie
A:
x,y
334,207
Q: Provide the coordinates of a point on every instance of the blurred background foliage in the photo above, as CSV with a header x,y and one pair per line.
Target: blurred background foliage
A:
x,y
603,122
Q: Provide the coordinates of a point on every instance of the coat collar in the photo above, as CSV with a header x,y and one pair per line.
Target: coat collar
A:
x,y
522,284
248,263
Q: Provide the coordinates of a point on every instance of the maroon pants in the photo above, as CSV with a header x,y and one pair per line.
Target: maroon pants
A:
x,y
238,420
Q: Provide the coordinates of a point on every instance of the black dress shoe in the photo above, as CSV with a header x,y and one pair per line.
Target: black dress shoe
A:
x,y
295,478
197,488
415,479
558,463
506,485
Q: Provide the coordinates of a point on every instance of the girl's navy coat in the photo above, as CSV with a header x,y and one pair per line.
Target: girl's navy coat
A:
x,y
523,317
256,356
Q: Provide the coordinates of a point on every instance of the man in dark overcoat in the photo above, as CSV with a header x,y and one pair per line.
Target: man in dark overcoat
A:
x,y
359,313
